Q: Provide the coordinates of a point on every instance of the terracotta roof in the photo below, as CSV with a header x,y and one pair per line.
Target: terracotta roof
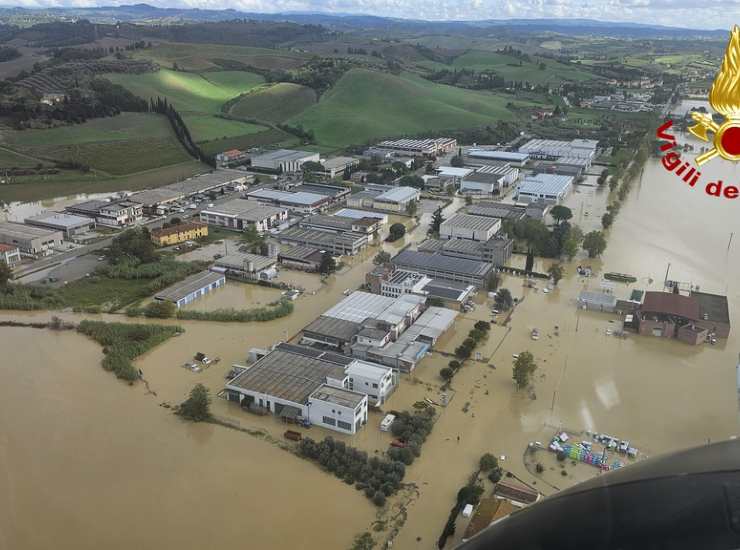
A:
x,y
668,303
6,247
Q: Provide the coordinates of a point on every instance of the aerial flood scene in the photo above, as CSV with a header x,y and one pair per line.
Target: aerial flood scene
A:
x,y
307,280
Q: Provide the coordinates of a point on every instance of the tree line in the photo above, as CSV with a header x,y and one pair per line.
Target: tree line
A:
x,y
163,107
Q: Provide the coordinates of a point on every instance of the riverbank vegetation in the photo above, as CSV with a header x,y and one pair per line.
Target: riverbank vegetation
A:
x,y
281,308
123,342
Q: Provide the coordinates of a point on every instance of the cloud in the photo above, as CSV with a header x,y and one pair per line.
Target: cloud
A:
x,y
713,14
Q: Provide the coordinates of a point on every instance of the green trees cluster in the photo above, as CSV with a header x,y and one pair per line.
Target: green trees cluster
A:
x,y
524,368
594,243
627,169
504,300
133,245
489,463
124,342
327,265
376,477
396,231
556,273
282,308
5,274
159,309
197,407
382,258
477,334
562,240
413,430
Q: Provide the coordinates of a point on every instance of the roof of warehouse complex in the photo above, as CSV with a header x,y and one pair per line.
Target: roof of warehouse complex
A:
x,y
21,231
300,198
341,329
398,194
432,323
494,154
474,223
281,155
240,261
187,286
59,219
317,236
244,209
545,184
438,262
359,306
286,375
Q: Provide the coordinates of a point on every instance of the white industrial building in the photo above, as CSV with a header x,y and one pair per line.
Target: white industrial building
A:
x,y
425,147
69,224
10,254
357,214
336,166
242,214
398,313
120,213
467,226
552,149
327,389
404,282
517,160
550,188
284,160
302,202
31,241
191,288
251,267
396,199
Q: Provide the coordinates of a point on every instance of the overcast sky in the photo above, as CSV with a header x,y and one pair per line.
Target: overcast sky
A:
x,y
711,14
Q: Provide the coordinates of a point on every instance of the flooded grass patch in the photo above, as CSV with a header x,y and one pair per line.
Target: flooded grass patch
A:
x,y
273,311
122,343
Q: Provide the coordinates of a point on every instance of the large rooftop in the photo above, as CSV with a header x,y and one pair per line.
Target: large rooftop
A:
x,y
412,259
667,303
545,184
317,237
496,210
398,194
469,221
59,220
301,198
21,231
341,329
359,306
245,209
713,307
338,396
241,260
498,155
281,155
187,286
289,376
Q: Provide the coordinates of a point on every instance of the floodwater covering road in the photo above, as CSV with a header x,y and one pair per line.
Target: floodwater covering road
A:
x,y
88,462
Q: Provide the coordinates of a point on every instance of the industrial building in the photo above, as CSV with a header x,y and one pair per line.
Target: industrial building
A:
x,y
439,266
499,210
397,313
551,188
339,244
191,288
338,224
330,332
497,250
509,174
283,160
303,387
517,160
249,267
297,201
304,258
31,241
714,313
553,149
482,183
10,254
69,224
176,234
402,281
597,301
388,280
120,213
467,226
241,214
357,214
336,166
423,147
396,199
336,193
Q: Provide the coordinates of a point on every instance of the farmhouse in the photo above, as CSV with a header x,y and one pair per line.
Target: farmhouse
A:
x,y
241,214
550,188
31,241
283,160
191,288
69,224
175,234
232,157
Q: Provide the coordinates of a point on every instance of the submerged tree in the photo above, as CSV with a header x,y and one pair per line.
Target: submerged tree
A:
x,y
524,367
197,407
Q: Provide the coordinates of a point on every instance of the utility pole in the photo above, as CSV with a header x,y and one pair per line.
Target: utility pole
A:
x,y
665,280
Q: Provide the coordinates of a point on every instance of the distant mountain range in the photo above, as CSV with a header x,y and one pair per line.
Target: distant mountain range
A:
x,y
145,13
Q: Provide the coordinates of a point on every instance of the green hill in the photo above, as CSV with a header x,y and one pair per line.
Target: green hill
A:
x,y
274,102
365,105
508,67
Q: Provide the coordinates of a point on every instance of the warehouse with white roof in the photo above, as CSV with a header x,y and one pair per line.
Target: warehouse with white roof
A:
x,y
515,159
551,188
398,313
301,201
284,160
396,199
467,226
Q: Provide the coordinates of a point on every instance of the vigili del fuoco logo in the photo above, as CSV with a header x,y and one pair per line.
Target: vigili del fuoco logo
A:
x,y
724,98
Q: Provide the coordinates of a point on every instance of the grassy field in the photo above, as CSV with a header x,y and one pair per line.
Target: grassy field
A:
x,y
189,92
274,102
72,182
366,104
209,127
203,57
269,136
508,67
124,144
10,159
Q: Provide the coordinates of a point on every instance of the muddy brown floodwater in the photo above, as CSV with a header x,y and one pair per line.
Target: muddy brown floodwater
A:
x,y
88,462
